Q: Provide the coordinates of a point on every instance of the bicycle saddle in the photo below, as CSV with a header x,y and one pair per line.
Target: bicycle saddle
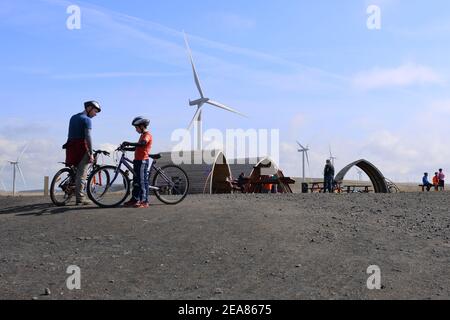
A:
x,y
155,156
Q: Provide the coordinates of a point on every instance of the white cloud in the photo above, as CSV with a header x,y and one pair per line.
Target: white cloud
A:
x,y
233,21
402,76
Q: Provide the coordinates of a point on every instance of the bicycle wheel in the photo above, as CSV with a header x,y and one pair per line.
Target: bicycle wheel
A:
x,y
114,189
99,181
62,188
172,183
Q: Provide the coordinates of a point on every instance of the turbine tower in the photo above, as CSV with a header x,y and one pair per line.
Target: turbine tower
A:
x,y
16,167
332,158
199,103
1,180
360,173
304,152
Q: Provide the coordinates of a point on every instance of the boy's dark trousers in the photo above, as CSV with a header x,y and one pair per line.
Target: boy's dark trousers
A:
x,y
140,180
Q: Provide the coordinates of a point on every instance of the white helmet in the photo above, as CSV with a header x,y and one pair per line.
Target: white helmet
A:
x,y
93,104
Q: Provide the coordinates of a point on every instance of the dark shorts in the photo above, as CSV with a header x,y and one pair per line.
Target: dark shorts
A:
x,y
441,183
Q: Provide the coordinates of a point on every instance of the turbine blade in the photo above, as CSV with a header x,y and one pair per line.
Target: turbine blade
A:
x,y
196,78
21,174
222,106
23,151
307,158
331,154
195,117
301,145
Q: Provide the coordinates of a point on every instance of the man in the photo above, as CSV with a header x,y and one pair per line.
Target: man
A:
x,y
328,177
425,182
79,147
441,180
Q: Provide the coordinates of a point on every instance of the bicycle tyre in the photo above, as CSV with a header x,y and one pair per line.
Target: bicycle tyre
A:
x,y
108,179
160,196
53,184
125,180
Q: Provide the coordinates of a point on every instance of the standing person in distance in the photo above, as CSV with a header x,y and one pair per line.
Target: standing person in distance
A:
x,y
328,174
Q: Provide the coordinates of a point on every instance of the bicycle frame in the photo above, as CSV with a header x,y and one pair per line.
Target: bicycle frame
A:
x,y
129,165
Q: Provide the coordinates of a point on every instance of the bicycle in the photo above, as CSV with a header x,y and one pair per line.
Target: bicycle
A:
x,y
62,188
170,183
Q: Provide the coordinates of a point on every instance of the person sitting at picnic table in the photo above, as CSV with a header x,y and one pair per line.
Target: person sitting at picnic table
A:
x,y
266,187
425,182
436,181
241,182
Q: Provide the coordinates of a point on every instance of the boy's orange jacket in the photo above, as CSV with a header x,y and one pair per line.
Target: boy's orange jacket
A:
x,y
436,180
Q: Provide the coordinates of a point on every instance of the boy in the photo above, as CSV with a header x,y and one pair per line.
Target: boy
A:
x,y
141,163
436,181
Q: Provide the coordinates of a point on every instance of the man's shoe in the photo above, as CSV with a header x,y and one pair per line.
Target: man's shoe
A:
x,y
83,203
130,204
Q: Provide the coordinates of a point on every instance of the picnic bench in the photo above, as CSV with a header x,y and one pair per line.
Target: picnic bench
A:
x,y
357,188
256,185
436,188
318,186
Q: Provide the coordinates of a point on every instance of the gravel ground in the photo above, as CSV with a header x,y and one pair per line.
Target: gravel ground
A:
x,y
294,246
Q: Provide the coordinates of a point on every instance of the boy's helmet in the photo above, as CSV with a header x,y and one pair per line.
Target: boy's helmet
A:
x,y
140,121
94,104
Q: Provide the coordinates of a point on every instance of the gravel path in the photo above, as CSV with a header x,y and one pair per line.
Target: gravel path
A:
x,y
295,246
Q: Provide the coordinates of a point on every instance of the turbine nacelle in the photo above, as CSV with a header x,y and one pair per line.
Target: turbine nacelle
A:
x,y
198,102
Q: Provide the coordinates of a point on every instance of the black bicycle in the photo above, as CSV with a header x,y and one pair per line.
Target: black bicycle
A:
x,y
170,184
62,188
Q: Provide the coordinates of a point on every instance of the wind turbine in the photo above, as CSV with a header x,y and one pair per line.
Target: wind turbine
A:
x,y
332,158
16,166
360,175
304,152
1,181
197,119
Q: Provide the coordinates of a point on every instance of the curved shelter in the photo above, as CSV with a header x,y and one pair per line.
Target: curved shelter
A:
x,y
213,174
198,170
375,175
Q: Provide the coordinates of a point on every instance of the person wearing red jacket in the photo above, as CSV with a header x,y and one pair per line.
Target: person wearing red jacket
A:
x,y
141,163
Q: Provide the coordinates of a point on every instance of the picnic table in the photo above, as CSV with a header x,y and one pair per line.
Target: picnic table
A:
x,y
256,185
356,188
317,186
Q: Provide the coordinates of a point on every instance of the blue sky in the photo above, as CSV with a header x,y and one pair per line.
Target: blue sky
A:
x,y
309,68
